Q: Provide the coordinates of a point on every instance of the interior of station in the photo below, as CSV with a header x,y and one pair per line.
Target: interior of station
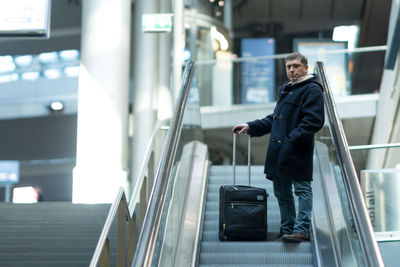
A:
x,y
84,101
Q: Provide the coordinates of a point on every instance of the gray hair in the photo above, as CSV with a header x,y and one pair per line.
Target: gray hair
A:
x,y
297,55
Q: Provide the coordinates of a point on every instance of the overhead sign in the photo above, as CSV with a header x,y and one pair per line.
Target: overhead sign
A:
x,y
157,22
25,18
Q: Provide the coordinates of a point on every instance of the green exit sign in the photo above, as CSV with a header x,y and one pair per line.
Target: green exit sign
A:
x,y
157,22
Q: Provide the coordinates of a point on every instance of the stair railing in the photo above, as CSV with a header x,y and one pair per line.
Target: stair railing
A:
x,y
140,196
127,213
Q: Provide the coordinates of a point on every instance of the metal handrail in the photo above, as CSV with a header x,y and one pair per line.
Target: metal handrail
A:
x,y
141,175
121,197
107,227
147,239
374,146
368,243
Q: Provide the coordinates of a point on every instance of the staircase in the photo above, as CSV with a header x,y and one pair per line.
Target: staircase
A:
x,y
50,234
269,253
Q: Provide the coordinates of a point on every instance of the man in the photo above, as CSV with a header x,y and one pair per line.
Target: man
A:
x,y
298,115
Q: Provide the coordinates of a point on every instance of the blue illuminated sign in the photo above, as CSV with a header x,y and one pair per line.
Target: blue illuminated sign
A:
x,y
258,77
9,172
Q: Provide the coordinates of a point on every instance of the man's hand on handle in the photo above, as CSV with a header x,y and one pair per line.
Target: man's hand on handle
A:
x,y
241,128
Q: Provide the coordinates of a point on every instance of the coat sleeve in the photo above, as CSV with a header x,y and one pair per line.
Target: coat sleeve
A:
x,y
261,127
313,116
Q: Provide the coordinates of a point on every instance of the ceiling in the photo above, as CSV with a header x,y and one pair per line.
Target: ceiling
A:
x,y
280,17
270,18
299,15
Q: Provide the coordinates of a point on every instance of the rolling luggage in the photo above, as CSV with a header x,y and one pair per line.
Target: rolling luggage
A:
x,y
242,209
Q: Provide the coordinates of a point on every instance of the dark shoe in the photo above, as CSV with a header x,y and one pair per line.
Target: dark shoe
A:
x,y
295,238
280,235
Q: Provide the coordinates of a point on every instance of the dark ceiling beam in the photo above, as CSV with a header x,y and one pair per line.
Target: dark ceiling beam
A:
x,y
239,3
301,7
295,25
374,27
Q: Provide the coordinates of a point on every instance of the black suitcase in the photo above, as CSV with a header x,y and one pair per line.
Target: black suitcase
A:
x,y
242,209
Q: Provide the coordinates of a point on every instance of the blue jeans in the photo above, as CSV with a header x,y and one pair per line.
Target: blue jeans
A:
x,y
283,192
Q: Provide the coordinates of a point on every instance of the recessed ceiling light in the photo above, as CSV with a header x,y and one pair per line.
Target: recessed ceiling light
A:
x,y
56,106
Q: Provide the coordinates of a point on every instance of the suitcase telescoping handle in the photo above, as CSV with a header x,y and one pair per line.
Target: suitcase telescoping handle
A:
x,y
248,159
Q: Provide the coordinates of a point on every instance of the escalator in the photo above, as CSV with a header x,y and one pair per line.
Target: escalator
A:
x,y
180,227
270,253
334,240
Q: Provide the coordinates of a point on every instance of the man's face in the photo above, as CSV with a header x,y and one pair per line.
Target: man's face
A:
x,y
295,69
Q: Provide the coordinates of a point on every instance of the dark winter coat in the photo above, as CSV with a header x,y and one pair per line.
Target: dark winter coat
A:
x,y
298,115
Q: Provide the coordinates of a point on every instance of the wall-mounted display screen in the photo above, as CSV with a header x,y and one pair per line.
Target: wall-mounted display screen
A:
x,y
25,18
258,77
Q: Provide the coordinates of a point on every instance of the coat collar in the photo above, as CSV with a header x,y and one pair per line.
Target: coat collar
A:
x,y
288,87
302,79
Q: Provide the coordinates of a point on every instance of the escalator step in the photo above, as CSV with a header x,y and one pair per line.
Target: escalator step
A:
x,y
212,226
256,265
254,247
256,258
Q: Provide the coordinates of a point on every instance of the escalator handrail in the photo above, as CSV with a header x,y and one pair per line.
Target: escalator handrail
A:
x,y
368,243
151,224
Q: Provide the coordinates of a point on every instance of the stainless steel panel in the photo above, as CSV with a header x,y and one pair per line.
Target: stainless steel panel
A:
x,y
381,191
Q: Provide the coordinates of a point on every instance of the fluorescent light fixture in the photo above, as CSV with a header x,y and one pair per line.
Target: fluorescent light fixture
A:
x,y
8,78
24,61
72,71
69,54
49,57
6,64
27,194
31,76
56,106
346,34
52,73
220,38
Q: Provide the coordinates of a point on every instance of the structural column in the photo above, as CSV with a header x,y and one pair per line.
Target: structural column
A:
x,y
179,46
228,9
164,68
102,138
145,77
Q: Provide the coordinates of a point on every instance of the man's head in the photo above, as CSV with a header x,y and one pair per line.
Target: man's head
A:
x,y
296,66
